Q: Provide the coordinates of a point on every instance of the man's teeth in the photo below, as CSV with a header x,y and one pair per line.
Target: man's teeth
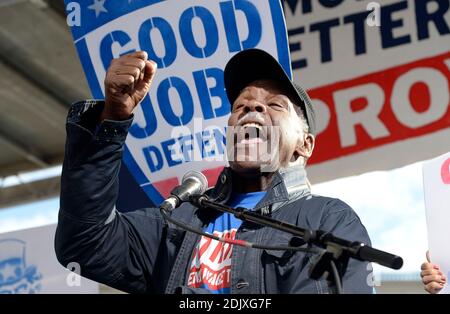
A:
x,y
252,124
253,136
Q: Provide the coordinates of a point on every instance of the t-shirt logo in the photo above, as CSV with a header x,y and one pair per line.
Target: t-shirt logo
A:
x,y
211,263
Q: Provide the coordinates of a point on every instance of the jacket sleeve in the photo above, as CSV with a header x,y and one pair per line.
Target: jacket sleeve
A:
x,y
108,246
342,221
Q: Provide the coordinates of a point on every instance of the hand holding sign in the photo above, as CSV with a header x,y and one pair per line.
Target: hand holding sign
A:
x,y
127,81
432,277
437,197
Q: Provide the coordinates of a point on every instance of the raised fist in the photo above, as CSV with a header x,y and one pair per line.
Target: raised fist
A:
x,y
127,81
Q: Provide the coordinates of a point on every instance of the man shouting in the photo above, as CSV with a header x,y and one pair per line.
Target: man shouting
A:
x,y
270,139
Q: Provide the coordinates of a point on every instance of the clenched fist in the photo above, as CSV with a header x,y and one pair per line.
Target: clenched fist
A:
x,y
127,81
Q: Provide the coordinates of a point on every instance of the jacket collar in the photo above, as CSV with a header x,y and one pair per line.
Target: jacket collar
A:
x,y
286,184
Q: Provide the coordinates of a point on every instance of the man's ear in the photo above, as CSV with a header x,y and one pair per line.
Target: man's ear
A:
x,y
305,148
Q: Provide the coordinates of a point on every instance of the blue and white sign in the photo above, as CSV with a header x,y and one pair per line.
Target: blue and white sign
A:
x,y
16,276
28,265
180,125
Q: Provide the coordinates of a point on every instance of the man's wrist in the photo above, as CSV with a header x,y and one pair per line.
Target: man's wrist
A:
x,y
88,113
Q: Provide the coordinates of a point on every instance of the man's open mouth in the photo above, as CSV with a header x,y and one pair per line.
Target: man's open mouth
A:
x,y
251,133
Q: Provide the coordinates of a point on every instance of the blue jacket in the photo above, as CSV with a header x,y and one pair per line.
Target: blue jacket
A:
x,y
138,252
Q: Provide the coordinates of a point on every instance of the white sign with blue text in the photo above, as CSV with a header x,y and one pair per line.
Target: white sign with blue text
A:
x,y
28,265
181,124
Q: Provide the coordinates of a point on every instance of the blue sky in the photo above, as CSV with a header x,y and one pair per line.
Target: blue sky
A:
x,y
389,203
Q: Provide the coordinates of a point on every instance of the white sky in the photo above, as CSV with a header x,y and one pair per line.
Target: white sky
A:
x,y
389,203
391,206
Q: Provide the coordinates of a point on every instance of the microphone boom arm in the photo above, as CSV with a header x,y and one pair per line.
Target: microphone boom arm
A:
x,y
356,250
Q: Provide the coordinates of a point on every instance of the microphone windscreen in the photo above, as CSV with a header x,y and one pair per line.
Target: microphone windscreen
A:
x,y
199,177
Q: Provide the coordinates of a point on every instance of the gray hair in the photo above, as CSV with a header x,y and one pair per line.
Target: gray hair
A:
x,y
302,118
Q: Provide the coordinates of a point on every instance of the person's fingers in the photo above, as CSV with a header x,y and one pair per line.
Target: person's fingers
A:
x,y
428,272
436,278
127,60
137,54
150,71
426,266
128,70
433,287
432,272
428,256
124,83
143,85
135,62
429,266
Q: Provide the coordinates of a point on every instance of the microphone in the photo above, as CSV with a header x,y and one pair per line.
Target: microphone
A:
x,y
193,183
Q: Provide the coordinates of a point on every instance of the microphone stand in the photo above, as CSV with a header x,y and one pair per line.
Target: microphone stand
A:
x,y
332,262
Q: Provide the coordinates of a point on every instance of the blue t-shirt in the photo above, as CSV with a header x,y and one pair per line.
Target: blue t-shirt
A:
x,y
211,260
